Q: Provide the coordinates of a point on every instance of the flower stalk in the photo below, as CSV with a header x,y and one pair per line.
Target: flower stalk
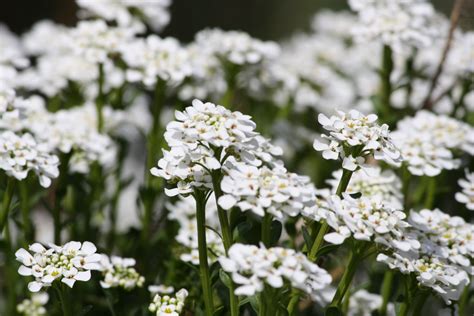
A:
x,y
6,202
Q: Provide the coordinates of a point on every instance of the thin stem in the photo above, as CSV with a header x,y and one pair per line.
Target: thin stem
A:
x,y
60,193
385,73
430,193
7,199
226,235
406,177
100,100
386,291
420,302
464,300
199,197
403,311
110,303
25,211
266,229
347,277
10,273
341,188
64,299
295,297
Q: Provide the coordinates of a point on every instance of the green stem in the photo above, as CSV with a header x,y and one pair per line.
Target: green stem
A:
x,y
295,297
386,85
25,212
386,291
403,311
64,299
226,236
406,177
464,300
430,193
152,184
347,277
420,302
200,199
7,199
60,193
10,273
266,229
263,309
100,100
341,188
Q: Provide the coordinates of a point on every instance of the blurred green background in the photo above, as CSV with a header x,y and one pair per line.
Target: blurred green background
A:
x,y
266,19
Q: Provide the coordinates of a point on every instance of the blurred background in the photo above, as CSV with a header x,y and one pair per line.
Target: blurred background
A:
x,y
265,19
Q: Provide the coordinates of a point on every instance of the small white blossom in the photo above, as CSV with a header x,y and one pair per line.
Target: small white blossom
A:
x,y
34,306
119,272
466,196
252,267
167,305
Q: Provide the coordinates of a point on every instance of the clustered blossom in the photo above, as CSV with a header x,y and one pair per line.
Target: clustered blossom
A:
x,y
383,183
428,142
266,190
367,219
120,272
168,306
69,263
443,261
252,267
397,23
353,137
21,154
154,58
466,196
129,12
33,306
200,140
184,212
236,47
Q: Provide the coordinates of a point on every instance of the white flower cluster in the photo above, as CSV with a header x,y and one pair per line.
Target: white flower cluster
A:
x,y
168,306
466,196
129,12
252,267
266,190
353,137
427,142
184,212
383,183
369,219
397,23
201,138
236,47
33,306
154,58
69,263
119,272
443,261
21,154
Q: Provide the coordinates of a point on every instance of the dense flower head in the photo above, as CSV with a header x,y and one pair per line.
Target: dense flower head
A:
x,y
367,219
153,13
120,272
69,263
167,305
447,280
466,196
428,142
33,306
20,154
12,54
252,267
154,58
184,212
353,137
266,190
201,138
45,37
236,47
383,183
398,23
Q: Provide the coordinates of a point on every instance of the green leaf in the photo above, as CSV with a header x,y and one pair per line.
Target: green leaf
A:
x,y
326,249
276,230
333,311
255,303
225,278
307,238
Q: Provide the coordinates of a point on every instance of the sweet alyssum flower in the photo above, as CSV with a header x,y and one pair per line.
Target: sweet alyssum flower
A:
x,y
252,267
69,263
353,137
184,212
168,306
20,154
466,196
260,190
427,142
33,306
120,272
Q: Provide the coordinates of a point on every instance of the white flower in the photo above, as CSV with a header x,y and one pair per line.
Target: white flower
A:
x,y
353,137
119,272
272,190
70,263
466,196
251,267
168,306
21,154
160,289
33,306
